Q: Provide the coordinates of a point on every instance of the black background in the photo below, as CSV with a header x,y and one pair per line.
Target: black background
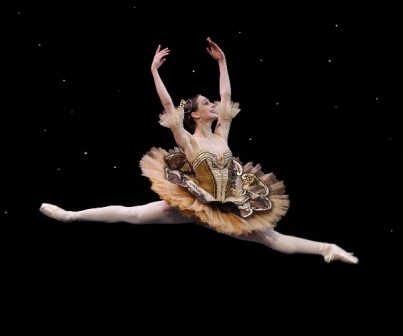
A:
x,y
76,79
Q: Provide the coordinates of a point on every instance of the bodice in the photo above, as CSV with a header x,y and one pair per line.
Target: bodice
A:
x,y
213,173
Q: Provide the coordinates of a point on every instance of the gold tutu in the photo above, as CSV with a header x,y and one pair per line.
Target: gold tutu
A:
x,y
154,166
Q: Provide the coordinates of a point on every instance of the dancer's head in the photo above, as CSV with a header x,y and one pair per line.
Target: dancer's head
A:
x,y
198,109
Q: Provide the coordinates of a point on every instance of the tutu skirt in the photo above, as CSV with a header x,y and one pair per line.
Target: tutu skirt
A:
x,y
153,167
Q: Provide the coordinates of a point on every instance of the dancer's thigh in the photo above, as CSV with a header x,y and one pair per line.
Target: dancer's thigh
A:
x,y
160,212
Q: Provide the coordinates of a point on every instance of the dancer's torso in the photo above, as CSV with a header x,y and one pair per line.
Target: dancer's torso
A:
x,y
213,167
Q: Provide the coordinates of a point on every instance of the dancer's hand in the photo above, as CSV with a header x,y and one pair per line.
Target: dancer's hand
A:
x,y
159,58
215,51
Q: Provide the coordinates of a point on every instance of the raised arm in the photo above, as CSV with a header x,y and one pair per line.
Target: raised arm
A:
x,y
171,119
225,110
224,82
162,92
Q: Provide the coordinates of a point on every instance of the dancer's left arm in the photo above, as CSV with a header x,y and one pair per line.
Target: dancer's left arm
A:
x,y
223,125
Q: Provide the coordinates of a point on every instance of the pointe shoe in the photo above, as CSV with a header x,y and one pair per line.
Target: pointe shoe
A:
x,y
55,212
332,252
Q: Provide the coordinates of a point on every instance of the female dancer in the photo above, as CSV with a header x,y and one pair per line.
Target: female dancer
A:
x,y
200,181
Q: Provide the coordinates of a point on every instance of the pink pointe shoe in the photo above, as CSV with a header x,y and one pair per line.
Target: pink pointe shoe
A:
x,y
55,212
332,252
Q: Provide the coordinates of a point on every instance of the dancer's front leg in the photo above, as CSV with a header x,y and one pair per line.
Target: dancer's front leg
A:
x,y
291,245
158,212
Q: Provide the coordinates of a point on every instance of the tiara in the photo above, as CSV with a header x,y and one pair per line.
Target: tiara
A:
x,y
184,102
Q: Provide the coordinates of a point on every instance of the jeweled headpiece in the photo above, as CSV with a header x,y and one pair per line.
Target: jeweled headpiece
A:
x,y
188,102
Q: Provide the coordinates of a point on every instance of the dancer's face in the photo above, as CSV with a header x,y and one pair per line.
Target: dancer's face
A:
x,y
205,110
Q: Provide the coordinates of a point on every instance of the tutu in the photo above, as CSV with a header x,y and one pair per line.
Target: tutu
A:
x,y
246,200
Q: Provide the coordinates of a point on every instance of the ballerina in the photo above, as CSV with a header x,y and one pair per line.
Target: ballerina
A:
x,y
200,181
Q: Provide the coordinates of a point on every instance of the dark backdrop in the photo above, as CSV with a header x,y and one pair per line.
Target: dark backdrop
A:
x,y
319,88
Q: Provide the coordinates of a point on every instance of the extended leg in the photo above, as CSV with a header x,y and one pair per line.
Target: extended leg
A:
x,y
290,245
156,212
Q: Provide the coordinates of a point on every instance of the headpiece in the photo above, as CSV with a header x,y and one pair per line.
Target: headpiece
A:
x,y
189,107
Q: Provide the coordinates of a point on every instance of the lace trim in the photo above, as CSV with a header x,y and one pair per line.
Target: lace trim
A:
x,y
226,112
172,120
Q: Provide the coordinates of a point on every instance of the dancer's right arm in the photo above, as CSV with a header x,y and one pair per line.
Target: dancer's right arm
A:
x,y
182,136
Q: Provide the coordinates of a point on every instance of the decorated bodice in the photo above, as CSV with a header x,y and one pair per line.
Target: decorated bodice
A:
x,y
213,173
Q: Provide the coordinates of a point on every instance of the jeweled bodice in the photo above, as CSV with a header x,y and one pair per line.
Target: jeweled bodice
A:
x,y
213,173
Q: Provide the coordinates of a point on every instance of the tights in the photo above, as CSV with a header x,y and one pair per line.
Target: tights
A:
x,y
160,212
